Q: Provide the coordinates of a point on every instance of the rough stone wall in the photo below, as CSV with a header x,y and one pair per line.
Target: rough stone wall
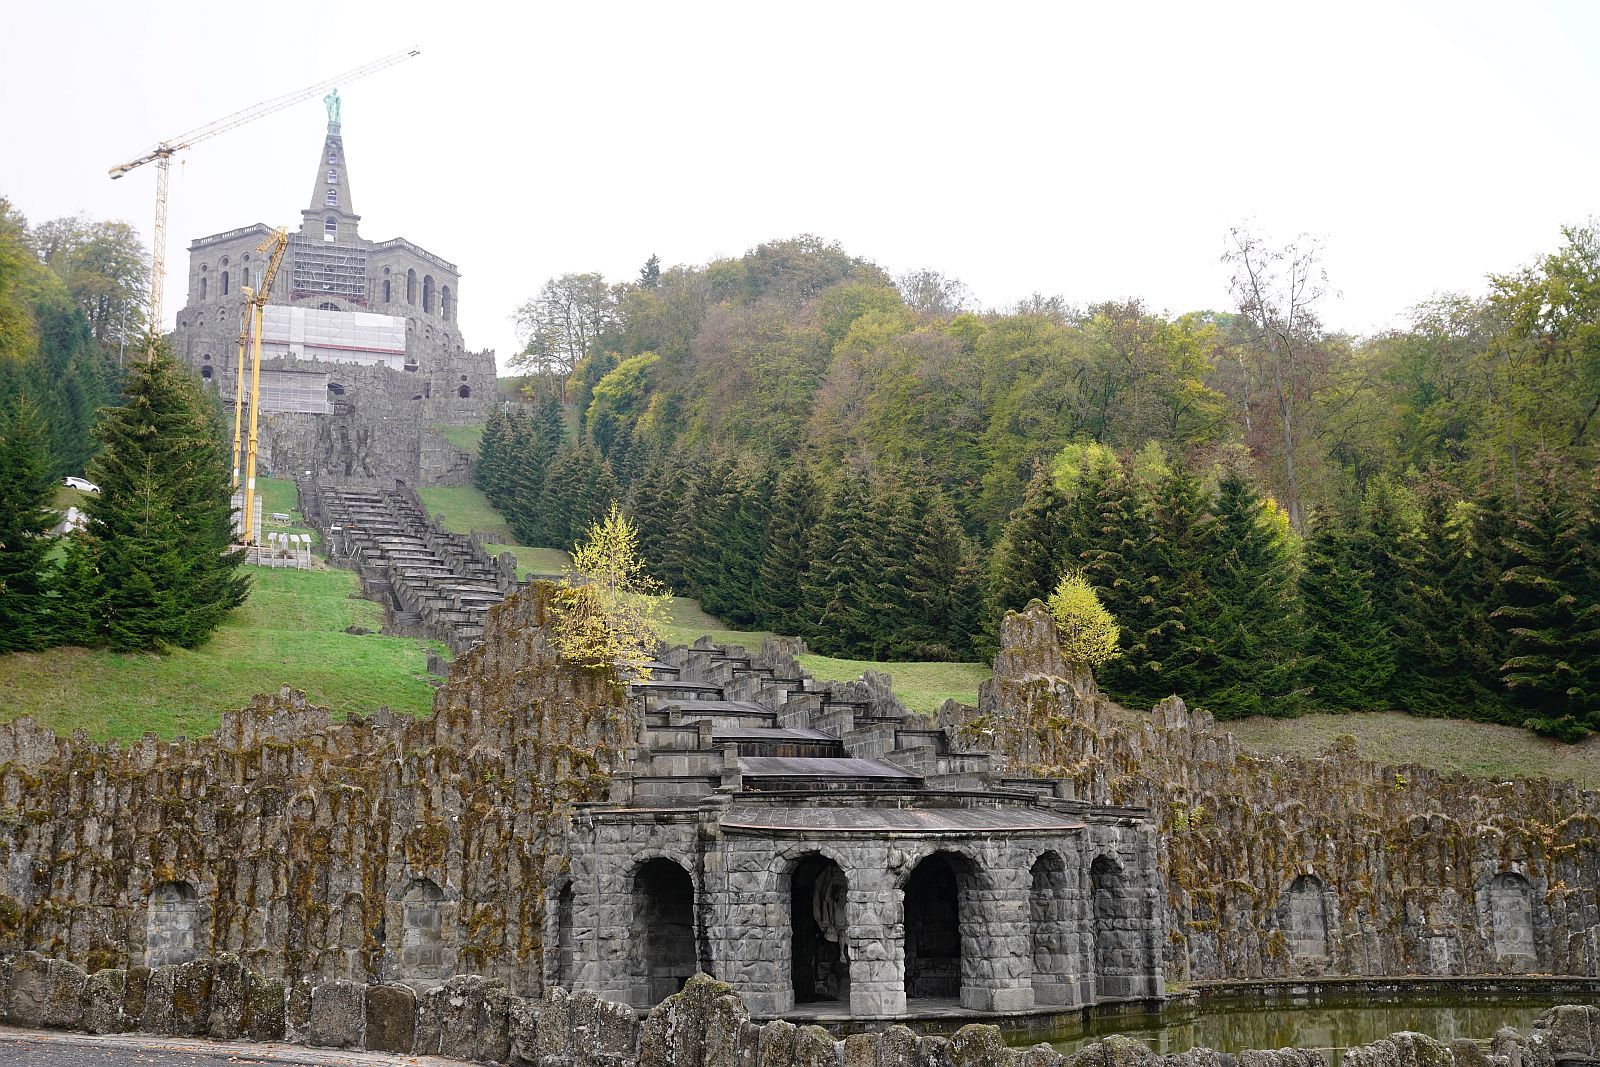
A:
x,y
1286,865
303,845
704,1025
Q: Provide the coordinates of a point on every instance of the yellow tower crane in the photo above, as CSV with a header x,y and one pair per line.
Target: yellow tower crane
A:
x,y
255,303
161,155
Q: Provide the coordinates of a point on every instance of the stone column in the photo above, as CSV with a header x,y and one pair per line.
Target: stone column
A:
x,y
876,936
996,949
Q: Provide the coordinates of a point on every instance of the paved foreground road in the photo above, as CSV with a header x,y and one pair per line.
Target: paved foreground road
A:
x,y
42,1048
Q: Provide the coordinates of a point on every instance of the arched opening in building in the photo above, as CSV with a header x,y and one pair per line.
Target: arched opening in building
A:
x,y
819,959
1050,923
386,296
1308,918
422,931
938,900
332,198
330,228
203,287
224,283
1511,914
244,277
564,940
446,305
663,930
1117,948
335,389
333,177
427,294
205,372
464,392
411,364
327,305
175,925
411,287
427,390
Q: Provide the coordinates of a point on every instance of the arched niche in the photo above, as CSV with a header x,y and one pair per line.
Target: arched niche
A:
x,y
422,933
1052,931
1308,918
1511,915
662,934
819,957
175,925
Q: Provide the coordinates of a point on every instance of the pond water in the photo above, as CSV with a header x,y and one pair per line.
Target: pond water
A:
x,y
1233,1026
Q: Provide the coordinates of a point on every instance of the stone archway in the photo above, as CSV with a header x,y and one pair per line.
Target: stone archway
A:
x,y
939,906
819,958
1308,918
663,931
1118,949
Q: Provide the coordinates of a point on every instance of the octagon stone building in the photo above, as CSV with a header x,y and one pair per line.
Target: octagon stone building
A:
x,y
362,357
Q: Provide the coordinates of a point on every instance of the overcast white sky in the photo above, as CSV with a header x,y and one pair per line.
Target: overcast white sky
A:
x,y
1096,150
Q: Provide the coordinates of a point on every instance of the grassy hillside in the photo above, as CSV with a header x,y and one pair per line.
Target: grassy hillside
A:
x,y
290,632
466,438
464,508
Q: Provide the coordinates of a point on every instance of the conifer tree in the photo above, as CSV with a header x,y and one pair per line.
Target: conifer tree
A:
x,y
1246,637
847,558
162,521
1106,544
1545,586
26,490
943,612
702,523
80,594
1349,653
733,591
1157,647
486,472
795,513
1027,560
653,505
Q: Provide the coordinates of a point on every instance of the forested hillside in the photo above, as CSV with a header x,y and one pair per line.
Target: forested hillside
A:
x,y
1282,517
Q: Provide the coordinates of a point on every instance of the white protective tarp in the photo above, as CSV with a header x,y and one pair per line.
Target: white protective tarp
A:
x,y
333,336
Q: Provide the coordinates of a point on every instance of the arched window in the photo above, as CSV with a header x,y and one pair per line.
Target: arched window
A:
x,y
203,287
411,366
224,283
464,392
335,389
330,228
427,294
565,949
175,925
205,372
327,305
411,287
940,906
422,941
333,177
386,296
333,156
446,306
332,198
244,277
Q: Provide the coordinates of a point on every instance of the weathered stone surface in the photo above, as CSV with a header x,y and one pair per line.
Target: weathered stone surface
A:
x,y
46,992
228,995
178,999
338,1015
467,1018
1114,1051
102,1002
391,1018
264,1008
815,1047
1566,1034
776,1047
1040,1055
135,989
897,1047
696,1027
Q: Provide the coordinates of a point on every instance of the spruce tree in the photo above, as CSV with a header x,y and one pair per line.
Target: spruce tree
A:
x,y
702,523
734,591
1246,637
80,594
795,513
943,612
1158,654
1349,653
1544,588
1027,560
486,471
842,608
26,491
162,521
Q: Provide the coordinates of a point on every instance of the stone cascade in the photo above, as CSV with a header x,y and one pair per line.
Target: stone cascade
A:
x,y
721,718
432,582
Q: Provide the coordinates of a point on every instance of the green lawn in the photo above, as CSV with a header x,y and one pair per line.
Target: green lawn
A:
x,y
69,498
1451,745
280,495
290,632
466,438
463,509
534,561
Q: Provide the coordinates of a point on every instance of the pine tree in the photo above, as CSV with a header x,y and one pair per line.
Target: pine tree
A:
x,y
943,608
26,490
80,594
1246,637
1106,544
1158,654
486,471
1350,655
1437,662
702,524
1027,560
796,511
847,560
162,521
734,592
1544,587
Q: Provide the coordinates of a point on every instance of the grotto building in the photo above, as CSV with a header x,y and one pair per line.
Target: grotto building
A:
x,y
831,855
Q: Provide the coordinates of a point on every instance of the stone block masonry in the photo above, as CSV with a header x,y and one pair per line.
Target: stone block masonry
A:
x,y
705,1025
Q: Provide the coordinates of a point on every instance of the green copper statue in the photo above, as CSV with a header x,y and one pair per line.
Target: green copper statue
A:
x,y
332,101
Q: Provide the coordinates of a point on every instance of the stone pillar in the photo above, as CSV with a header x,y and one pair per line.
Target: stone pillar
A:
x,y
876,937
996,946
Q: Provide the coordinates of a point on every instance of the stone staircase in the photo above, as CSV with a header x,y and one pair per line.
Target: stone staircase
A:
x,y
717,718
431,582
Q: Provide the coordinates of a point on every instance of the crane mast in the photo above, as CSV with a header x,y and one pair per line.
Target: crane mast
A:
x,y
161,155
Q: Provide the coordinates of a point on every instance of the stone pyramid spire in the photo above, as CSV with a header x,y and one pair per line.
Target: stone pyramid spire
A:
x,y
331,214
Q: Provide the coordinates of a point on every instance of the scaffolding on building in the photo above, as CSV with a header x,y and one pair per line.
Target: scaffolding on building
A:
x,y
322,268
